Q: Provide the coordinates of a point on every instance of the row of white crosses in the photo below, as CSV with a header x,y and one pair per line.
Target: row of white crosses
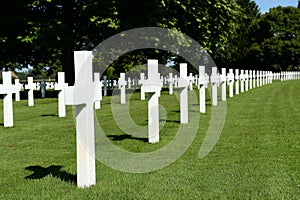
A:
x,y
37,85
288,75
244,78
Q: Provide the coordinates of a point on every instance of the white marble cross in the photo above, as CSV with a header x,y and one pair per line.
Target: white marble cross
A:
x,y
260,78
254,78
246,80
230,78
201,87
214,86
60,86
271,75
8,89
176,81
30,87
122,84
191,81
170,81
142,81
250,79
83,95
183,84
19,86
223,80
196,80
129,83
242,79
257,78
237,81
98,84
153,86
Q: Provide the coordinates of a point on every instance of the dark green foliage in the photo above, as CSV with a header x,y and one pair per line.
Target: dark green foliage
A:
x,y
275,38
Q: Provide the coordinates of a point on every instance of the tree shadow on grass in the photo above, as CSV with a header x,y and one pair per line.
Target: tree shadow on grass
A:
x,y
53,170
125,137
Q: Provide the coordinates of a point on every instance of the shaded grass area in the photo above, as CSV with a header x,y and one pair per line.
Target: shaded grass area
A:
x,y
256,157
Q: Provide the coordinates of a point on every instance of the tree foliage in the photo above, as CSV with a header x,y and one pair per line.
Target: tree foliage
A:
x,y
275,39
44,33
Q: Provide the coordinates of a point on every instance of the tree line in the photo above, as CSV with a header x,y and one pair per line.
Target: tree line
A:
x,y
44,33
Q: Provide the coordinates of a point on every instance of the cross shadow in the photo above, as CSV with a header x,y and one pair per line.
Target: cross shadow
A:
x,y
125,137
171,121
176,111
1,124
49,115
54,170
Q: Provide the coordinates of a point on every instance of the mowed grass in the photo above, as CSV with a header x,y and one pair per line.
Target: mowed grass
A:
x,y
256,157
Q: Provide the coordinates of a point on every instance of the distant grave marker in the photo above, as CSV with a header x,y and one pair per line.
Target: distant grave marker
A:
x,y
61,85
202,82
7,88
237,81
98,84
183,84
19,87
122,86
230,77
214,86
223,80
170,81
30,87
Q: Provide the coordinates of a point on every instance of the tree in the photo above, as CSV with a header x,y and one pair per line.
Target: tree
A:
x,y
46,32
275,38
240,46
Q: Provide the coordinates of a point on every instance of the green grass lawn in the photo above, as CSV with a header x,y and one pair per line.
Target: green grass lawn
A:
x,y
256,157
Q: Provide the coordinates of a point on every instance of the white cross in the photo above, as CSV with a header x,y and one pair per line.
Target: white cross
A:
x,y
201,86
176,81
196,80
246,80
250,79
19,86
98,84
142,81
254,79
122,84
170,81
223,80
242,79
30,86
61,85
230,77
260,78
83,95
237,81
191,81
8,89
153,85
183,84
129,83
214,86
